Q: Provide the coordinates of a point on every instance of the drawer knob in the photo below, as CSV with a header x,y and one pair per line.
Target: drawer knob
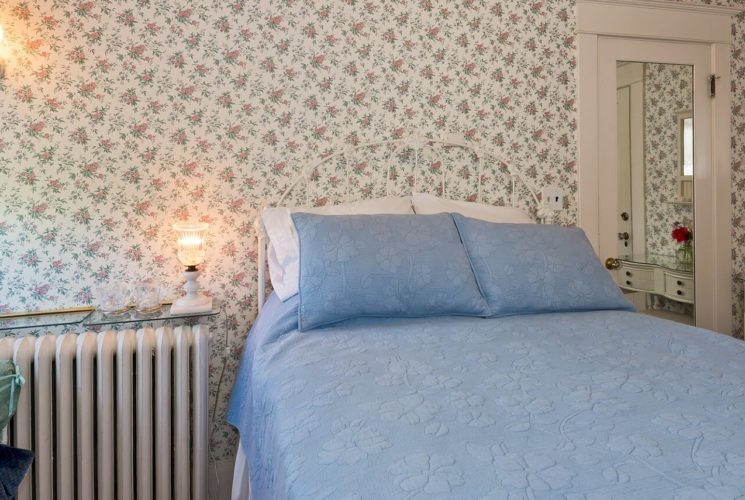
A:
x,y
680,292
680,283
628,273
628,283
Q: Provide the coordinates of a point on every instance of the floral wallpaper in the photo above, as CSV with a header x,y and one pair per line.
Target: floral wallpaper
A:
x,y
667,92
119,118
738,173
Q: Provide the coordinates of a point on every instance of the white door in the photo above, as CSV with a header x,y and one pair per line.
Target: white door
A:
x,y
611,51
631,176
623,132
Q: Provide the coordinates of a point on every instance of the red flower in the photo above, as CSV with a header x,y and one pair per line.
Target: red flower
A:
x,y
681,233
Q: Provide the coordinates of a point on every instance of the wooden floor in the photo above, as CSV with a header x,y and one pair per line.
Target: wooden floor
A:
x,y
639,299
680,318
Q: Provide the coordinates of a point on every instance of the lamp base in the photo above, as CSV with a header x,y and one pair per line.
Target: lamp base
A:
x,y
193,301
186,305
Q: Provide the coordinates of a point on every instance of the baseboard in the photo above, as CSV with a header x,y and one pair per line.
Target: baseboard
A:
x,y
221,479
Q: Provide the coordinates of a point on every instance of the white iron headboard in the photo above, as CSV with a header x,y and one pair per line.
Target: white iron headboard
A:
x,y
418,144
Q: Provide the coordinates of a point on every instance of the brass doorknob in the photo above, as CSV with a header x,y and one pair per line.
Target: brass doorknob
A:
x,y
612,263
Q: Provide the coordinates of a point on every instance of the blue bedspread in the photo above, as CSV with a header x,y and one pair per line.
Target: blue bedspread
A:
x,y
593,405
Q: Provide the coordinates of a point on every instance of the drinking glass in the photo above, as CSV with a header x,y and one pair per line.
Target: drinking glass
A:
x,y
112,299
147,296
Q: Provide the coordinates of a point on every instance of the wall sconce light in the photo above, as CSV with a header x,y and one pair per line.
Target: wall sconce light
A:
x,y
2,61
191,250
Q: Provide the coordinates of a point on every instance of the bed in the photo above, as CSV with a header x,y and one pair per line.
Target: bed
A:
x,y
582,404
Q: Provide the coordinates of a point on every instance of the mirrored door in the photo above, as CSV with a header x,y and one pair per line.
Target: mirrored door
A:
x,y
655,165
670,101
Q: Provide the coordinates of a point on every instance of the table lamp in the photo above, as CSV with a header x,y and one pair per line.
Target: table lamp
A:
x,y
191,252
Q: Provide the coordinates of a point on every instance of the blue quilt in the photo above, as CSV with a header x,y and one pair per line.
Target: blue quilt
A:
x,y
577,406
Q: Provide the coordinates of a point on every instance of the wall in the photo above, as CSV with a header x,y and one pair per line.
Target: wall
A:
x,y
738,173
118,118
667,91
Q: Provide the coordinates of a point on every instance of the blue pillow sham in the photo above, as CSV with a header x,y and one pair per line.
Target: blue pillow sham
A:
x,y
533,268
382,266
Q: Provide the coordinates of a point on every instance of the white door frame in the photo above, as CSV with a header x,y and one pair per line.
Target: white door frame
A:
x,y
632,76
629,21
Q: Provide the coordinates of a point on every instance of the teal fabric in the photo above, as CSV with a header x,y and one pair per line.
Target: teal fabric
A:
x,y
382,266
534,268
10,389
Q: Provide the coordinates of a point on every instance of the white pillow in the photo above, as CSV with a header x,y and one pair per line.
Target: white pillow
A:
x,y
284,249
425,204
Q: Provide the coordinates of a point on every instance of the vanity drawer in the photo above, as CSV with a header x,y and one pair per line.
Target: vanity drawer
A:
x,y
638,278
680,294
679,288
673,282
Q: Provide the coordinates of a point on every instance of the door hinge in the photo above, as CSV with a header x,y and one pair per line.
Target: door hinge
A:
x,y
713,85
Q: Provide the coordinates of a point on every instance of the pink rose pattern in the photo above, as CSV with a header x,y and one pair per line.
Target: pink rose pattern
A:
x,y
738,172
119,118
667,91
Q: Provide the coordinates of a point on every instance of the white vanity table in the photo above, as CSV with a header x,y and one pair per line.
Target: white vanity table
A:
x,y
658,274
658,285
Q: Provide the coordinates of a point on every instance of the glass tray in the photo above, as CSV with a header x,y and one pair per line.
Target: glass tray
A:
x,y
44,320
98,318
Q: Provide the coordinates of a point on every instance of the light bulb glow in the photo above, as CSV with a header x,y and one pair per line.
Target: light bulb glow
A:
x,y
2,34
191,242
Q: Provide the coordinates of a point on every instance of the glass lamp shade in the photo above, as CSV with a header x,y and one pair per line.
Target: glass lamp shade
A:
x,y
191,247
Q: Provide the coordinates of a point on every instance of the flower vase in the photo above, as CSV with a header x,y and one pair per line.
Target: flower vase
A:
x,y
684,254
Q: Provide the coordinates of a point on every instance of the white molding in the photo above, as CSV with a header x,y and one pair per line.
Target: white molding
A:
x,y
588,202
717,10
722,187
661,20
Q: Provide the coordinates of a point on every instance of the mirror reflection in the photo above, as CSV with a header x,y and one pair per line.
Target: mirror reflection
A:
x,y
655,187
